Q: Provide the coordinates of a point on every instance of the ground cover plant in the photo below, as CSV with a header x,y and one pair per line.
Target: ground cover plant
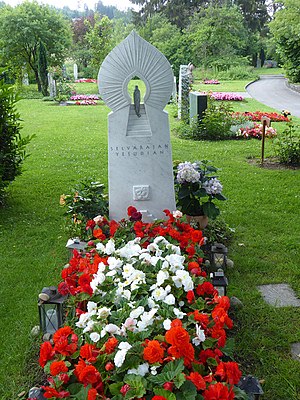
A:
x,y
70,145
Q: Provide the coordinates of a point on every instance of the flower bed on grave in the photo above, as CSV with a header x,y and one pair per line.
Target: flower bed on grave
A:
x,y
256,132
226,96
148,323
257,116
86,80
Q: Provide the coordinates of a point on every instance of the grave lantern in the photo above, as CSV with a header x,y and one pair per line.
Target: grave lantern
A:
x,y
50,306
218,256
75,244
251,386
219,281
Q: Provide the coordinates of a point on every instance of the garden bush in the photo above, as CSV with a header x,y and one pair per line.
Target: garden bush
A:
x,y
86,201
12,145
288,145
237,72
215,124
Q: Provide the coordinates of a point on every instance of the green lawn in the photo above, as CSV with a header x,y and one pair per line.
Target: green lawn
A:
x,y
263,207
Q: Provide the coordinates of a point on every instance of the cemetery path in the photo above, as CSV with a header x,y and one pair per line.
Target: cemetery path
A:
x,y
272,91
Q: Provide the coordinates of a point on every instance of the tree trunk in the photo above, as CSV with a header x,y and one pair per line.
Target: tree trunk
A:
x,y
36,74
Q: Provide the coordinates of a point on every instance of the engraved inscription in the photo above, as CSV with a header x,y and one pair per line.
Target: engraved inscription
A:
x,y
139,150
141,192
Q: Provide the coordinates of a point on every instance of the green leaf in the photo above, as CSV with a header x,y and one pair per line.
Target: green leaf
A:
x,y
212,361
174,367
165,393
114,388
137,384
239,394
209,343
188,391
78,391
183,192
228,349
201,193
210,209
219,196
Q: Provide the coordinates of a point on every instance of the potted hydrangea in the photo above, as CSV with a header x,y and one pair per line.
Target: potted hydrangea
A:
x,y
196,188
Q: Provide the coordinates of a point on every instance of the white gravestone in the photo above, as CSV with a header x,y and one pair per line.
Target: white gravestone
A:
x,y
75,71
51,85
139,148
174,93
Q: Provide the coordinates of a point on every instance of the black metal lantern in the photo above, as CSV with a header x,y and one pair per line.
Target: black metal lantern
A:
x,y
219,281
218,256
251,386
77,244
50,306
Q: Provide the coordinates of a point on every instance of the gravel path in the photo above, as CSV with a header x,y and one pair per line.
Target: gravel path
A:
x,y
272,91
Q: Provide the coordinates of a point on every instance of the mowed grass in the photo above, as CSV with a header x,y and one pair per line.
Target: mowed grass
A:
x,y
262,205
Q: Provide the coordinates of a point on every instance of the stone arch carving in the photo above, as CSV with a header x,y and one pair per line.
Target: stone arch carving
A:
x,y
134,56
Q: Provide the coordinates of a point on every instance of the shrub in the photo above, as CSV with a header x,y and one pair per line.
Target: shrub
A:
x,y
218,231
215,124
288,145
237,72
85,202
12,145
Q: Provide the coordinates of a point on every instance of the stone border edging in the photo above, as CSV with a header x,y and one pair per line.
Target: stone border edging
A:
x,y
293,86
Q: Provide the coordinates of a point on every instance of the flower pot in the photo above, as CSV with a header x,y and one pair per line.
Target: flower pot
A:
x,y
200,220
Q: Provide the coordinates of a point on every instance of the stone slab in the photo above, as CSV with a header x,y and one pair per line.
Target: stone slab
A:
x,y
279,295
295,350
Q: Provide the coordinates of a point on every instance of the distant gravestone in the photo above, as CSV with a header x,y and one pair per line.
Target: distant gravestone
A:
x,y
51,85
25,80
75,71
139,148
174,93
183,93
198,105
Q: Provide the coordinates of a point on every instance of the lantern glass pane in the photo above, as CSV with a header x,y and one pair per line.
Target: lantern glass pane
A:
x,y
219,259
221,290
49,314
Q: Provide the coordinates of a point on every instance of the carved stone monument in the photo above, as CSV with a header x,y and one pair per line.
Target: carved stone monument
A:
x,y
139,149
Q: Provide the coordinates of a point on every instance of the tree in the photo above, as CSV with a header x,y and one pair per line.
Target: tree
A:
x,y
168,39
21,29
43,68
217,33
286,31
12,145
99,38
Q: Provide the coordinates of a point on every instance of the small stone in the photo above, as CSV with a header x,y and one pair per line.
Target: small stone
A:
x,y
236,303
295,350
46,337
229,263
44,296
35,331
207,263
242,244
22,394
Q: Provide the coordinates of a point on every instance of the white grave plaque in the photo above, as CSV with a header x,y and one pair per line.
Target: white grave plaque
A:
x,y
139,148
75,72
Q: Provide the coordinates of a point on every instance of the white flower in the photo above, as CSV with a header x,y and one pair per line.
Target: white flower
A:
x,y
103,312
200,336
131,249
160,239
92,307
186,172
110,247
158,294
83,320
153,370
169,299
183,278
114,263
179,314
89,326
145,257
98,219
137,312
129,324
176,262
127,270
100,247
177,214
213,186
167,324
141,370
151,303
146,320
112,328
121,354
99,278
101,267
95,337
161,277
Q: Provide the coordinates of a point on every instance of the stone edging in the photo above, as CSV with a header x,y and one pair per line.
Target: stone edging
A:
x,y
293,86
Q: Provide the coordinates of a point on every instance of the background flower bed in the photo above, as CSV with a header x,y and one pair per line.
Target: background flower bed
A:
x,y
151,324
